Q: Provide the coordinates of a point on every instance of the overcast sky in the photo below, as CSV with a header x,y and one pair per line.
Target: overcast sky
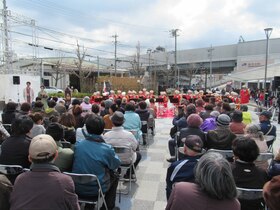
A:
x,y
201,22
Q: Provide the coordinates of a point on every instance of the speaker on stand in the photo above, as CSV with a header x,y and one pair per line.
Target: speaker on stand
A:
x,y
16,81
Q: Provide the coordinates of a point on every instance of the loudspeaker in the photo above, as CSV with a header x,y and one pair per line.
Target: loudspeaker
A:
x,y
16,80
276,83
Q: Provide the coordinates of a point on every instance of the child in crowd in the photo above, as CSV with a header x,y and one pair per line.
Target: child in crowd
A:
x,y
247,117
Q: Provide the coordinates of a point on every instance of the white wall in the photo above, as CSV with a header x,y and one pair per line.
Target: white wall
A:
x,y
15,92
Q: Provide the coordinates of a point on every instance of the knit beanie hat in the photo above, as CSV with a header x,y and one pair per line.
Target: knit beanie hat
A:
x,y
223,120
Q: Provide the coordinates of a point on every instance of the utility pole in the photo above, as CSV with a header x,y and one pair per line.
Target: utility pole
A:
x,y
98,69
6,55
115,42
138,59
175,34
210,54
149,68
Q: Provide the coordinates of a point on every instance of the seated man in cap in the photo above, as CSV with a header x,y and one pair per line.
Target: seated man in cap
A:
x,y
183,170
64,160
43,187
93,156
266,127
120,137
221,137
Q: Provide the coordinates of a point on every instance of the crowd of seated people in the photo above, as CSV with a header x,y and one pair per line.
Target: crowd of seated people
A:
x,y
78,133
227,129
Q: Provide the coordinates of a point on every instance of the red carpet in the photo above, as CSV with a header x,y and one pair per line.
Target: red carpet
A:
x,y
165,112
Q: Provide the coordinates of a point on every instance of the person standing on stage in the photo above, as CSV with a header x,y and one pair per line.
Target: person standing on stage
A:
x,y
28,93
244,95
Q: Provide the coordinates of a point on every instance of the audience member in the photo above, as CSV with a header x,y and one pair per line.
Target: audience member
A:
x,y
67,120
214,188
86,106
50,111
9,113
60,107
25,109
221,137
274,168
94,156
38,127
64,160
199,106
208,108
253,131
6,188
43,187
144,115
237,126
120,137
245,173
79,119
266,127
183,170
107,117
210,122
226,109
107,104
194,121
38,107
271,193
132,121
246,116
95,109
75,102
14,150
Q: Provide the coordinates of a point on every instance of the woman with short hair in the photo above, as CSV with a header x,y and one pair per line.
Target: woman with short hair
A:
x,y
214,187
246,174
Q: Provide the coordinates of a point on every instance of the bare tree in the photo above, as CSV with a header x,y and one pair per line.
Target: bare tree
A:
x,y
191,71
81,72
59,72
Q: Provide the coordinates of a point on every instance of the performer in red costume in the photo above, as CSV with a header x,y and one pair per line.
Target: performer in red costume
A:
x,y
151,95
177,96
244,95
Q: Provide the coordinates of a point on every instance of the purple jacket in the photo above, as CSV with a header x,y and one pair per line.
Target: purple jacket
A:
x,y
209,124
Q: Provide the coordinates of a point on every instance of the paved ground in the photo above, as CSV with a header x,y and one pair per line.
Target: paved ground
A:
x,y
149,191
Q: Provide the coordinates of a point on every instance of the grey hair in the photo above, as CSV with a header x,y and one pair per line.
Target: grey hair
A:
x,y
214,176
254,131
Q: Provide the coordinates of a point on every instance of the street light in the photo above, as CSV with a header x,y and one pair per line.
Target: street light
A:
x,y
210,51
149,68
268,32
175,34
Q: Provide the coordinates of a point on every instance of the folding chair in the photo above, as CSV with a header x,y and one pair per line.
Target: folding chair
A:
x,y
86,179
11,169
122,151
265,156
177,135
269,141
106,130
66,144
227,154
145,133
8,127
250,194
